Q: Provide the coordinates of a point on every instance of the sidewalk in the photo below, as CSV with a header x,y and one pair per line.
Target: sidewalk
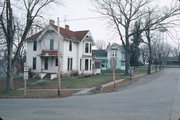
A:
x,y
88,90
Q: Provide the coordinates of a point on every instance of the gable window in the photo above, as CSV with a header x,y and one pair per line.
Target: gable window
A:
x,y
35,45
46,63
70,63
86,64
51,44
86,47
34,63
70,45
113,53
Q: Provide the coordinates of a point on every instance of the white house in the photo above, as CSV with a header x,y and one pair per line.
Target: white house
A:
x,y
75,51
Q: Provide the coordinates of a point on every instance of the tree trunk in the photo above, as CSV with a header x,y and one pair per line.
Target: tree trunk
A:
x,y
150,51
149,68
9,81
127,50
127,63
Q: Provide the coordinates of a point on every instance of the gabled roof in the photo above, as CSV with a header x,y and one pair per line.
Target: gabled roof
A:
x,y
99,53
115,44
66,33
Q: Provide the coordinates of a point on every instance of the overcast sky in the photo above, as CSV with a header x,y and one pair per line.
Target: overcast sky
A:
x,y
78,9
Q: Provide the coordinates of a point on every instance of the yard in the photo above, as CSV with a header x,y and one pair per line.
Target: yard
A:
x,y
71,85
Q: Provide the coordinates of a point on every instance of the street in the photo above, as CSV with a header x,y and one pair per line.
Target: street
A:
x,y
153,97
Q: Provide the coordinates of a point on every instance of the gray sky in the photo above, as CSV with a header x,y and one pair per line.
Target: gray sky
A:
x,y
77,9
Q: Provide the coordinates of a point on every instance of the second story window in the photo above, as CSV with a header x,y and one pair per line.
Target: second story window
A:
x,y
51,44
70,45
90,47
113,53
34,45
86,47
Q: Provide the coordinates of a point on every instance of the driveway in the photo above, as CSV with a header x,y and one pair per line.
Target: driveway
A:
x,y
154,97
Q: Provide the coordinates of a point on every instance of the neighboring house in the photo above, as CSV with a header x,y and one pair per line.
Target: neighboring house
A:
x,y
115,51
75,51
173,60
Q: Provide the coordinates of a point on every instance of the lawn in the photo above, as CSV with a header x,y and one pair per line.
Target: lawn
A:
x,y
72,82
81,82
43,89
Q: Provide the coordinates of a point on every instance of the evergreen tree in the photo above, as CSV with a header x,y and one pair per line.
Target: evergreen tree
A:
x,y
134,47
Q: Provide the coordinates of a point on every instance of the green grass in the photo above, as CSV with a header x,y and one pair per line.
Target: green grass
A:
x,y
11,93
82,82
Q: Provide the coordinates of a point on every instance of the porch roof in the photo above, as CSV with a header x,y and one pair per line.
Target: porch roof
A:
x,y
49,54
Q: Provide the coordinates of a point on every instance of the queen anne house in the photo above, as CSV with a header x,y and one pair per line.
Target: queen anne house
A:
x,y
113,51
75,51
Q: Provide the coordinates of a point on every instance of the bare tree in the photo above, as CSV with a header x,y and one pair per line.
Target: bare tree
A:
x,y
176,52
31,9
152,20
100,44
122,14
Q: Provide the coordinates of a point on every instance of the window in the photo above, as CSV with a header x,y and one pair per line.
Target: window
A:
x,y
86,47
86,64
90,47
80,63
34,45
46,63
122,63
56,62
70,63
113,53
51,44
90,64
104,63
122,55
34,63
70,45
97,65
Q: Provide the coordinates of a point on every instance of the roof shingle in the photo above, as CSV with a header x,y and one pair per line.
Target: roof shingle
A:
x,y
66,33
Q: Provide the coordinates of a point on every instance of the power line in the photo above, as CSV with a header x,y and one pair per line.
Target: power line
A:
x,y
78,19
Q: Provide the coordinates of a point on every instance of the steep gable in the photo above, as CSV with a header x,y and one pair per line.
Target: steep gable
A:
x,y
66,33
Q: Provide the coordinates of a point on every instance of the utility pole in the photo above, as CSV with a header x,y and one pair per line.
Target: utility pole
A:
x,y
59,71
113,69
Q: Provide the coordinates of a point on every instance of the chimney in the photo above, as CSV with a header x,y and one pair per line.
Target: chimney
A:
x,y
51,22
67,27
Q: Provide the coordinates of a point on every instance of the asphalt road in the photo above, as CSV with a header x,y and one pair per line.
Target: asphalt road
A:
x,y
150,98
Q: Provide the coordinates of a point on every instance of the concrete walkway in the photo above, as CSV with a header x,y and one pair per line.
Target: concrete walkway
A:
x,y
88,90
